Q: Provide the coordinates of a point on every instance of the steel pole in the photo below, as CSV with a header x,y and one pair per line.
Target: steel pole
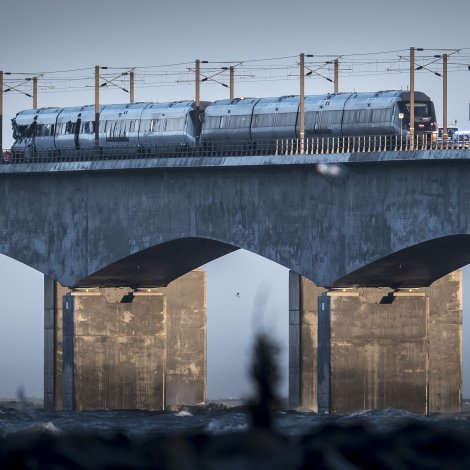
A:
x,y
131,86
444,100
412,96
97,107
302,102
232,80
35,92
1,112
198,85
336,76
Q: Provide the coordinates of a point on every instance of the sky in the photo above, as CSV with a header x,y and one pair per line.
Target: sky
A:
x,y
64,35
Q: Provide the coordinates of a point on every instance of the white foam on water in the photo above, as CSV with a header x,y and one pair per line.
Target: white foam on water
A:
x,y
45,427
219,427
183,413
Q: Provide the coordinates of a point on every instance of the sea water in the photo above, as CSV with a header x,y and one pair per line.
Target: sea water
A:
x,y
213,418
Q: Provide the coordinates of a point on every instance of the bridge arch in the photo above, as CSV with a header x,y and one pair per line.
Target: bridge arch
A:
x,y
416,266
159,264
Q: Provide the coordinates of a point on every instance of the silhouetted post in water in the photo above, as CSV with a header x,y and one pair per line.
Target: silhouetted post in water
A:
x,y
264,372
97,107
35,92
131,86
412,97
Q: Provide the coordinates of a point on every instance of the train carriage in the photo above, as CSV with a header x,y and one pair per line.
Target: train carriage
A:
x,y
228,120
236,126
75,131
119,129
168,127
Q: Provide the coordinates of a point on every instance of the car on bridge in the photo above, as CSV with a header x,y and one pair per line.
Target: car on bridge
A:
x,y
461,139
450,132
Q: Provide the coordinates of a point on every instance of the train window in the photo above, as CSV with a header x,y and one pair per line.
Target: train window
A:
x,y
381,115
133,125
327,118
348,117
174,124
212,122
238,122
46,130
88,127
421,109
310,119
145,125
364,115
358,116
263,120
159,125
70,127
286,119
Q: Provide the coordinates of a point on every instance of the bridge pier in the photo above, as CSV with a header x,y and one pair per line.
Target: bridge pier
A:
x,y
355,349
118,348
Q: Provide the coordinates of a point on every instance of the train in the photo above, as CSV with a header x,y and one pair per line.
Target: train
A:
x,y
152,128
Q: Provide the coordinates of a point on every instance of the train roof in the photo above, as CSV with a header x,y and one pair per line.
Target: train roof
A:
x,y
44,116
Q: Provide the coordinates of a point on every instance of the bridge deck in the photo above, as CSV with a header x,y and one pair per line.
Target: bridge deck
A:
x,y
236,161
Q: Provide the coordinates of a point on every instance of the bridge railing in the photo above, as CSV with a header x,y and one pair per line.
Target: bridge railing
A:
x,y
279,147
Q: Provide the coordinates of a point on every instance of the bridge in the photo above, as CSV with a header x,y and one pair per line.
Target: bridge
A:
x,y
381,218
346,219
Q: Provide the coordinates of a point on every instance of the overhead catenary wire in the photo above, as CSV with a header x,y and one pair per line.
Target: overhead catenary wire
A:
x,y
269,69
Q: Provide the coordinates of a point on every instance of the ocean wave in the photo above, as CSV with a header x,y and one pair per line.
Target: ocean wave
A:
x,y
221,427
184,413
48,428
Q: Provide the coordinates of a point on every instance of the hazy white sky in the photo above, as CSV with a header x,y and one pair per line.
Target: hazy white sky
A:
x,y
54,35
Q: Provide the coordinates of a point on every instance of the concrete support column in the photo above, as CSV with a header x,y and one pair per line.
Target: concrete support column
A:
x,y
375,348
445,341
49,343
114,350
53,293
294,340
324,354
303,342
186,365
124,349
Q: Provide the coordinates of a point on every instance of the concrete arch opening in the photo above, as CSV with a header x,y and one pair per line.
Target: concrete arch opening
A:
x,y
159,264
416,266
246,294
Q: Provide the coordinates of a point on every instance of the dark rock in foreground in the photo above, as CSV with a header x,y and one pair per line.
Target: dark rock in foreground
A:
x,y
334,446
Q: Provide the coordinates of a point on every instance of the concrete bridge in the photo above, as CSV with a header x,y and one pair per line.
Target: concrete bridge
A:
x,y
353,219
378,219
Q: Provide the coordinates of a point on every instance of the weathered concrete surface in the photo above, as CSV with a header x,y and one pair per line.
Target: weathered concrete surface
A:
x,y
108,333
53,335
303,341
392,218
386,349
378,353
114,353
445,343
186,364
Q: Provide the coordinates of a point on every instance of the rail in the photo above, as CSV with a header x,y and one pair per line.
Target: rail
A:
x,y
279,147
